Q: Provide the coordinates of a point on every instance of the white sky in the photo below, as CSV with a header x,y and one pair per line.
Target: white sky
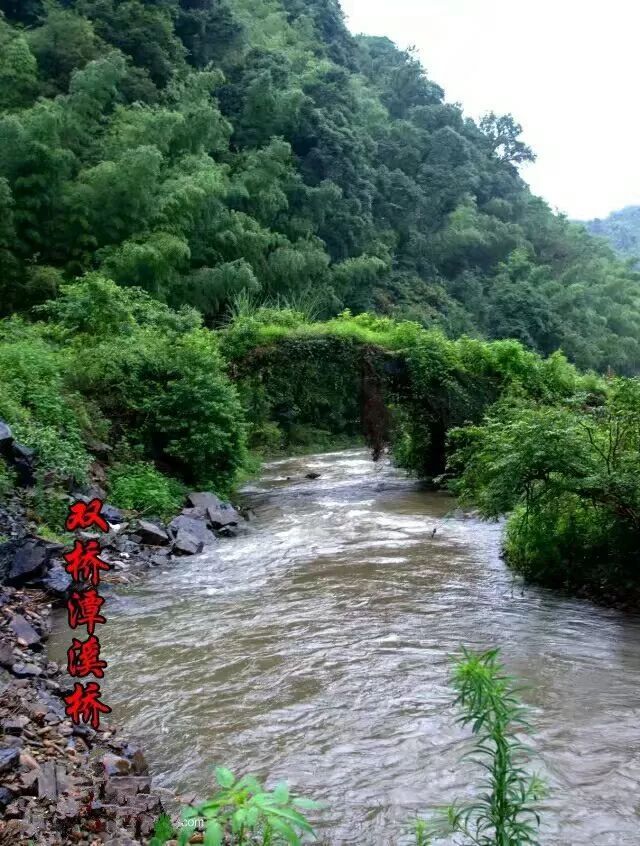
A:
x,y
568,70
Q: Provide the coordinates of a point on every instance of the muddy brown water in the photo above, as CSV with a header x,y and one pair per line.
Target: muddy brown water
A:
x,y
315,648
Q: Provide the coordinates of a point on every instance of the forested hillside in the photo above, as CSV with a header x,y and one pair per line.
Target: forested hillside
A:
x,y
621,229
203,148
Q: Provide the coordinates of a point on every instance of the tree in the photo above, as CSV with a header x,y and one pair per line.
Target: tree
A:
x,y
504,134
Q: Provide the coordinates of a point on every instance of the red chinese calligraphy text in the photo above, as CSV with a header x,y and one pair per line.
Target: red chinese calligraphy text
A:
x,y
84,704
83,658
84,609
83,563
83,515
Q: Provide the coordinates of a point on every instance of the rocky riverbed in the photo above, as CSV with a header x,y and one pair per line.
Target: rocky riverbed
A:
x,y
64,783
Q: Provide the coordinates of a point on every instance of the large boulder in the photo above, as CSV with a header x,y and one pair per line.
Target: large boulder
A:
x,y
194,526
187,543
29,562
223,516
152,534
204,499
219,514
6,437
57,581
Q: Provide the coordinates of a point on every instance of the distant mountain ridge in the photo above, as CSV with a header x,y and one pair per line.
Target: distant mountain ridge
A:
x,y
622,230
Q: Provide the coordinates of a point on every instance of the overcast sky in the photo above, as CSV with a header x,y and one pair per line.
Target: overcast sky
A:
x,y
568,70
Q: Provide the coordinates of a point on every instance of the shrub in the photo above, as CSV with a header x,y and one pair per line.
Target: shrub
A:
x,y
140,487
35,400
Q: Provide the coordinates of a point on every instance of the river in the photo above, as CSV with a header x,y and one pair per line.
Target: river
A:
x,y
316,648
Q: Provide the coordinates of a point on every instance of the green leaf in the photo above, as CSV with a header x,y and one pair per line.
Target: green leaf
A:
x,y
213,834
281,793
224,777
286,831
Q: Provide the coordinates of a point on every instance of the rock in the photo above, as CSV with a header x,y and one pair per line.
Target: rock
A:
x,y
159,559
114,765
23,461
68,807
187,544
14,725
204,499
47,781
98,448
25,671
27,760
111,514
138,761
57,581
222,516
312,475
6,654
228,532
6,436
6,796
9,758
29,780
29,561
24,631
193,526
152,534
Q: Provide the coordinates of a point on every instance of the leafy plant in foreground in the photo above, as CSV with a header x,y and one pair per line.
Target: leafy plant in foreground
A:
x,y
505,812
243,812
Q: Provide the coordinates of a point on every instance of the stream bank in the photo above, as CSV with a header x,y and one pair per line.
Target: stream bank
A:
x,y
64,783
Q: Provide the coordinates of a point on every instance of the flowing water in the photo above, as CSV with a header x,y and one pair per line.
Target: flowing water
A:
x,y
316,647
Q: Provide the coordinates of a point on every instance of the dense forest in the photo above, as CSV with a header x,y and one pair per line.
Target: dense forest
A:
x,y
622,230
201,148
224,224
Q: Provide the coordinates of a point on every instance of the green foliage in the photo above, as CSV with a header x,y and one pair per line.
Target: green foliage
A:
x,y
243,812
162,831
140,487
505,813
7,479
569,473
206,149
38,403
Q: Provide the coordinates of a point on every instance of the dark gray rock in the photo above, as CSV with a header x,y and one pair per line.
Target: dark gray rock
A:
x,y
6,654
204,499
14,725
29,561
6,435
228,532
24,631
111,514
98,448
9,758
26,671
23,459
187,544
312,475
47,781
197,527
152,534
222,516
57,581
159,559
6,796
